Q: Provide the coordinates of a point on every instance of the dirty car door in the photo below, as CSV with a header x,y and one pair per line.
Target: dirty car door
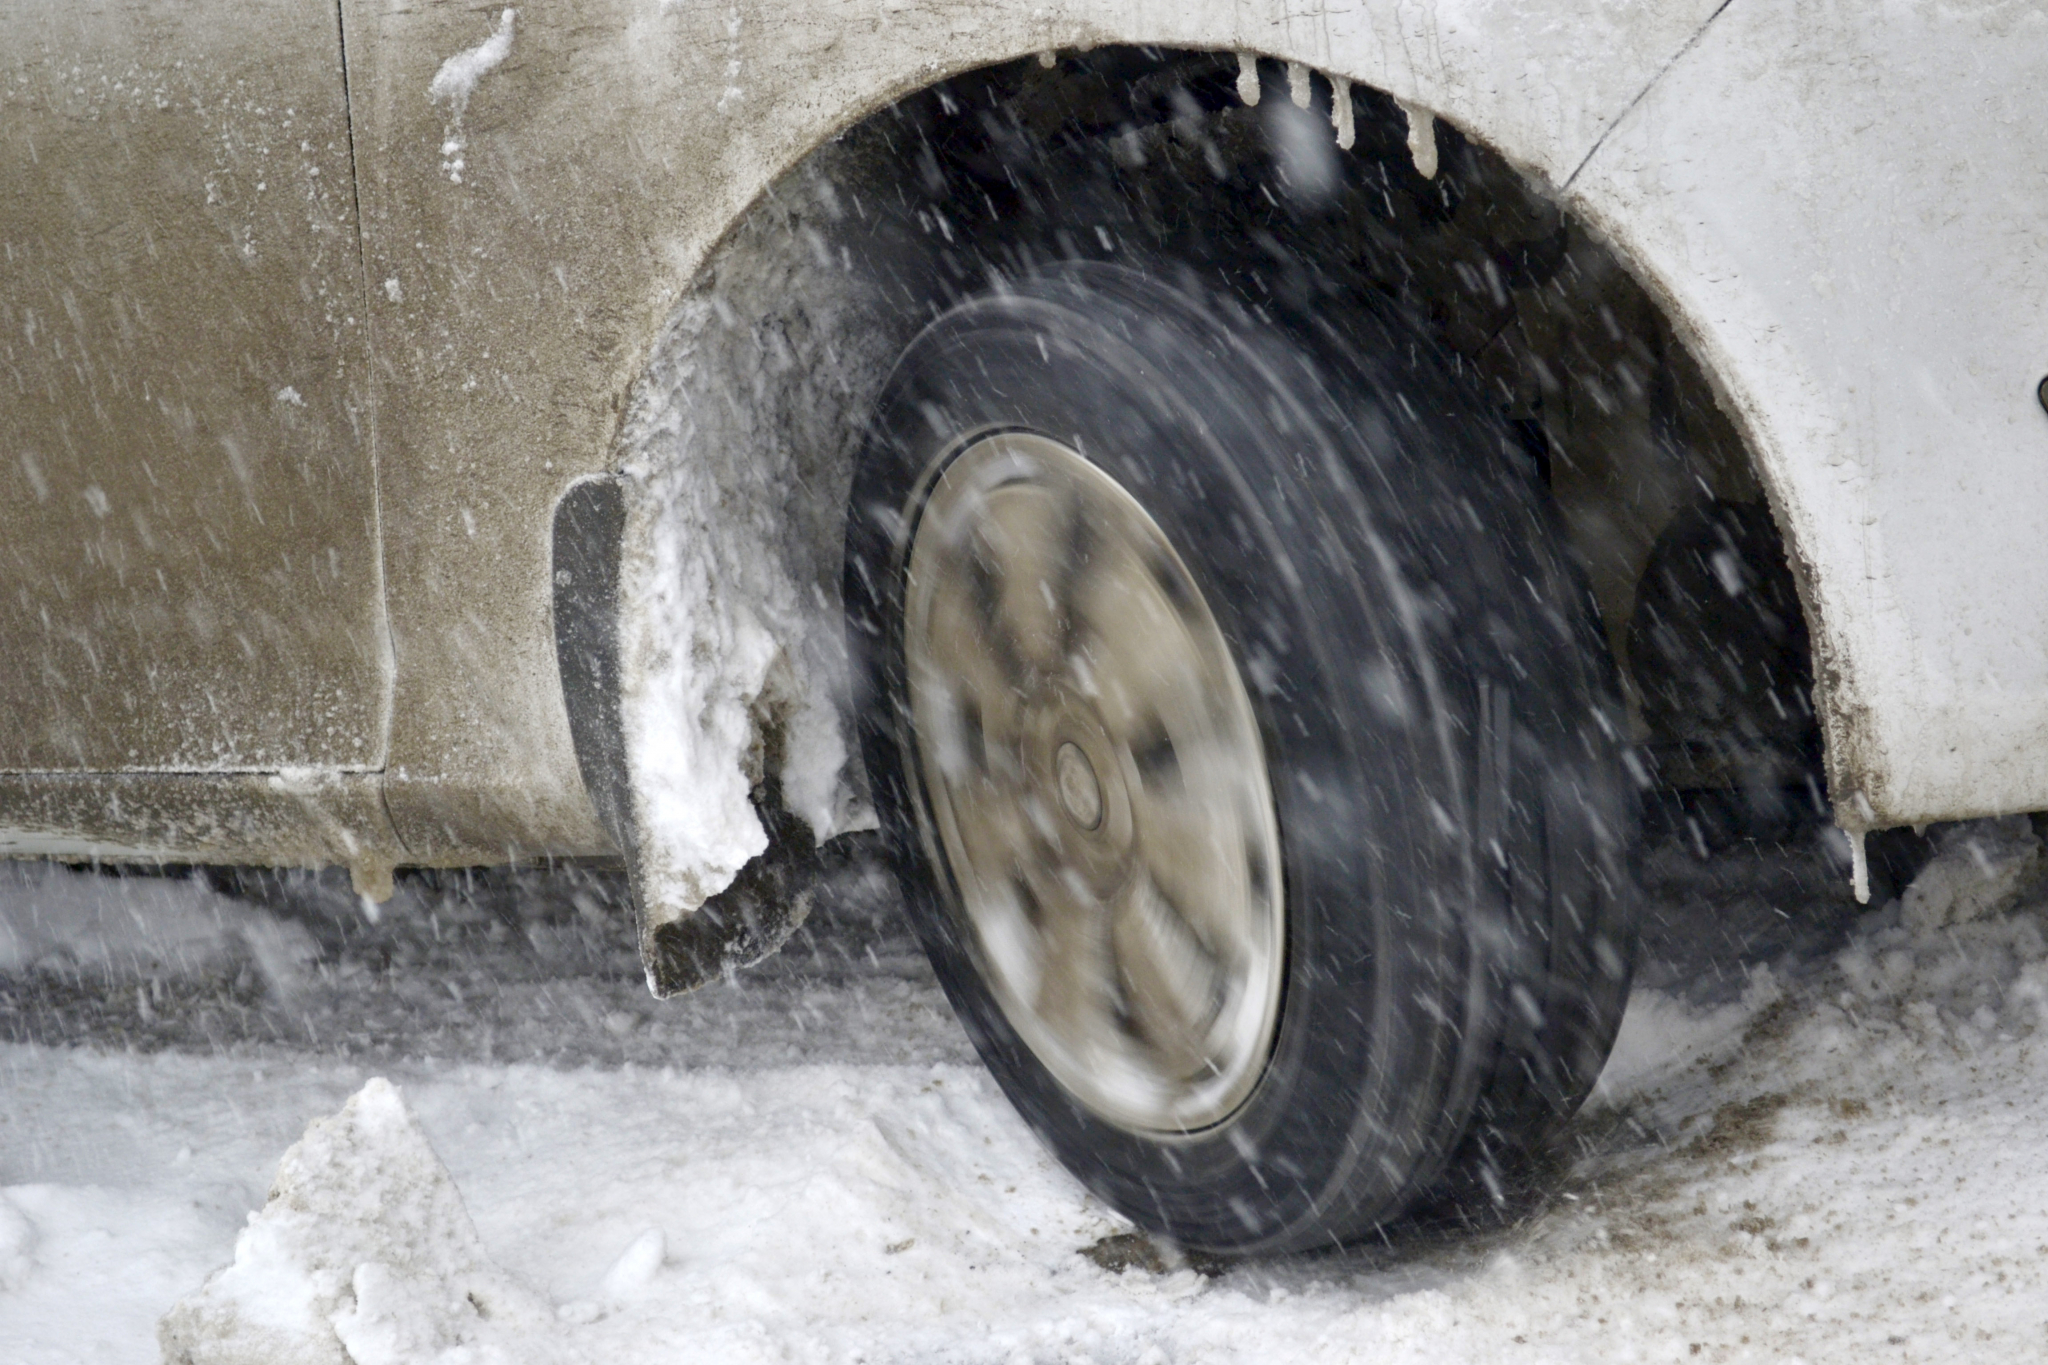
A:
x,y
188,557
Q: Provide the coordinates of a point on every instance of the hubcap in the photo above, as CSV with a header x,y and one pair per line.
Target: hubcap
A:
x,y
1080,788
1095,781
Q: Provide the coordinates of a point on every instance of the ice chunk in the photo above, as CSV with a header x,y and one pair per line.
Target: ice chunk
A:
x,y
363,1255
637,1265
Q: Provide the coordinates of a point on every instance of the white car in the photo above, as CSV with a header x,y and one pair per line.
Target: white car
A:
x,y
1248,500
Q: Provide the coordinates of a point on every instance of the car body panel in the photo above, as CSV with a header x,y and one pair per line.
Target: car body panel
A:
x,y
305,818
607,146
187,495
606,153
1846,207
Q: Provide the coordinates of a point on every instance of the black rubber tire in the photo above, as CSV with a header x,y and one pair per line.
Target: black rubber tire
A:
x,y
1437,709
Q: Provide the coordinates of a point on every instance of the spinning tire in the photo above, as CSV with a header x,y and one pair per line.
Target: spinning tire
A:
x,y
1245,749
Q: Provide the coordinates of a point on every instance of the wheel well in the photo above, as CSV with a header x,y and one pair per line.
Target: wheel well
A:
x,y
738,436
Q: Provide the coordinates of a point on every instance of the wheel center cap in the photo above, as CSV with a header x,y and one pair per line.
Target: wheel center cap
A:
x,y
1080,788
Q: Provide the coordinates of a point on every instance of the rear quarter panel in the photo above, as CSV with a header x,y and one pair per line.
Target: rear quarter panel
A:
x,y
1846,208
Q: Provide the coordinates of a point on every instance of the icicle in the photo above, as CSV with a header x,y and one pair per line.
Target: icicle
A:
x,y
1859,863
1297,84
1248,78
1340,112
1047,59
1421,138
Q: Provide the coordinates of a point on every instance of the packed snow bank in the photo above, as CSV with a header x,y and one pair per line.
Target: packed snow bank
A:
x,y
363,1255
738,447
1942,964
55,921
1960,958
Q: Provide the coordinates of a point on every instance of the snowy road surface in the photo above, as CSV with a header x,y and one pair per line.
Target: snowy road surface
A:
x,y
1824,1136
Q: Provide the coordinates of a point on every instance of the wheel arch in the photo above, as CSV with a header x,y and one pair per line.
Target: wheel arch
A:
x,y
1857,285
1545,146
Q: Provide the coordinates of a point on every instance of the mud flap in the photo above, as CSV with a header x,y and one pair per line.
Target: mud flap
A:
x,y
681,947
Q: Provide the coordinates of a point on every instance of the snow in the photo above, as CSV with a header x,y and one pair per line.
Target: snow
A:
x,y
57,921
456,79
1820,1137
1982,867
458,76
362,1253
736,449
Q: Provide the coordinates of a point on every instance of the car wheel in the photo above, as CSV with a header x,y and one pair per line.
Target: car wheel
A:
x,y
1244,747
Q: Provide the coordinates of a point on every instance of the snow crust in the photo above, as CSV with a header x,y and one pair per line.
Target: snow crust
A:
x,y
738,448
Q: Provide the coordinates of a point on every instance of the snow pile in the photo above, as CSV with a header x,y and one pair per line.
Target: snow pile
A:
x,y
738,449
364,1255
1958,958
55,921
1981,867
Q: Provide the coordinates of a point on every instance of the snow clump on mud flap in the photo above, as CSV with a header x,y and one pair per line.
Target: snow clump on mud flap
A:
x,y
736,453
1962,956
363,1255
